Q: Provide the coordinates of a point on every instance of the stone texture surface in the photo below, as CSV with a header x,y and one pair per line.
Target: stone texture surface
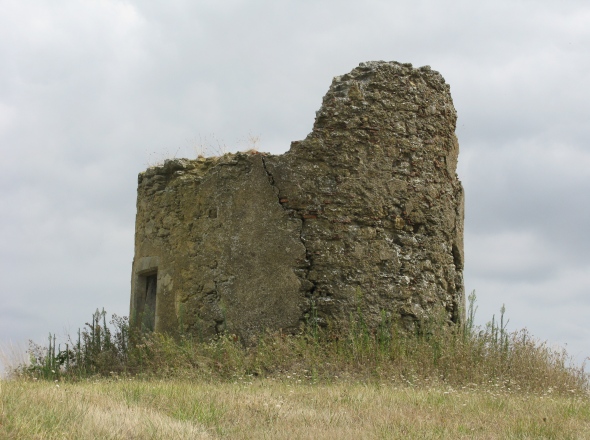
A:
x,y
365,213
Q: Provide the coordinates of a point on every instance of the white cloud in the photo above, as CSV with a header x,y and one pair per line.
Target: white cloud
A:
x,y
7,116
509,255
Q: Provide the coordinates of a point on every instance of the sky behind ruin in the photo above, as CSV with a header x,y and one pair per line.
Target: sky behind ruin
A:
x,y
93,92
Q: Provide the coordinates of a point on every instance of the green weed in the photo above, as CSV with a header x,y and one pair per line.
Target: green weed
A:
x,y
456,355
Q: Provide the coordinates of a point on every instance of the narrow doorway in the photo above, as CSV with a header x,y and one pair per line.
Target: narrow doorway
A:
x,y
148,285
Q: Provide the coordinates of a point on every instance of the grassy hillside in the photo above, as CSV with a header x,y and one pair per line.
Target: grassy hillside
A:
x,y
285,407
440,381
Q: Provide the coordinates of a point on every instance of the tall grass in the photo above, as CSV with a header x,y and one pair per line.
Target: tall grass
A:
x,y
98,349
455,355
281,408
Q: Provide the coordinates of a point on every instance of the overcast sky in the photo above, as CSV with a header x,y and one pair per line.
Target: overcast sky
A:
x,y
92,92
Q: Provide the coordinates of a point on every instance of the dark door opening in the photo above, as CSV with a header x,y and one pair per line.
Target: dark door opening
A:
x,y
148,311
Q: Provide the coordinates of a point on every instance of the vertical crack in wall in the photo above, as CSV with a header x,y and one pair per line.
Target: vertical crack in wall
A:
x,y
308,257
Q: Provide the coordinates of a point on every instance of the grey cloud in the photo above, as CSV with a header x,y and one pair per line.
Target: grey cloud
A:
x,y
537,189
90,93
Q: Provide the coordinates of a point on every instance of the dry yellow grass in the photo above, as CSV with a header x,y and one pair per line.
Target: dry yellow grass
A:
x,y
324,383
283,408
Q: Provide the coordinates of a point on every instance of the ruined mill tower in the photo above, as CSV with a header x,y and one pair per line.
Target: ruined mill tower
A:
x,y
365,213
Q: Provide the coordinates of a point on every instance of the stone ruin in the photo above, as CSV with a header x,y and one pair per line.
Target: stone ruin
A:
x,y
365,214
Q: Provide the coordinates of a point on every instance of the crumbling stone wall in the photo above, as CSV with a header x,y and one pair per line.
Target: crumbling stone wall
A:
x,y
366,212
